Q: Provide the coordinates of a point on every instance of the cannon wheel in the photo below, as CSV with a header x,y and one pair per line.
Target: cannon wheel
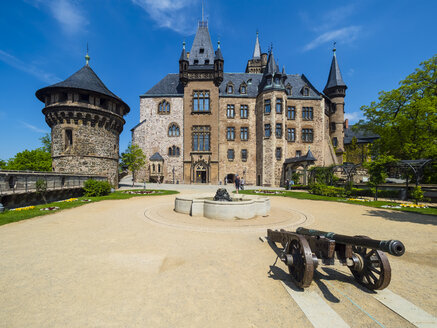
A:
x,y
376,271
302,269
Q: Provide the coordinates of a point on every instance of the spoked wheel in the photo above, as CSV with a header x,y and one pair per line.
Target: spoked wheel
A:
x,y
374,272
300,261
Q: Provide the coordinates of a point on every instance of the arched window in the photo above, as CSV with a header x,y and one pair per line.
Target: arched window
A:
x,y
164,107
159,168
306,91
173,130
153,168
229,88
288,89
170,152
243,89
174,151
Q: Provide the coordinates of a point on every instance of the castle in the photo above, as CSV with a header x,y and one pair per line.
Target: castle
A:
x,y
206,126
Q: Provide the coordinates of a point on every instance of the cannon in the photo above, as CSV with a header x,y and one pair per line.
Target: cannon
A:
x,y
365,257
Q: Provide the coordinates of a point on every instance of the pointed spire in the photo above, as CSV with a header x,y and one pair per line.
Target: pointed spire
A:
x,y
184,53
257,50
202,50
334,79
271,67
87,57
218,52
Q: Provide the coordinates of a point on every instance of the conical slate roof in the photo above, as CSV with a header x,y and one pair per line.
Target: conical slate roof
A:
x,y
257,50
334,79
271,67
218,53
202,49
83,79
183,54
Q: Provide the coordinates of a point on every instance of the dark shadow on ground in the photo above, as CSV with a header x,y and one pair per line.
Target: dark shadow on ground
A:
x,y
404,216
319,278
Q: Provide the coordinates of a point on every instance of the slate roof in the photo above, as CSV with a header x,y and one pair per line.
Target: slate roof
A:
x,y
202,40
334,79
309,157
257,50
361,135
170,86
83,79
156,157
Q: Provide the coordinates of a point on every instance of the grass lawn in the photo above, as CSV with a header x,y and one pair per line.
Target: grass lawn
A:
x,y
9,216
304,195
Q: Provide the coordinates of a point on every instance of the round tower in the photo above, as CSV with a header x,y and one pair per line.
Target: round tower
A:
x,y
86,120
335,89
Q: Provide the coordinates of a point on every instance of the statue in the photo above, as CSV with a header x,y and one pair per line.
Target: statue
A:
x,y
222,195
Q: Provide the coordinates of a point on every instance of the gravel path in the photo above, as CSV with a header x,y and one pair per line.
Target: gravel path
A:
x,y
136,263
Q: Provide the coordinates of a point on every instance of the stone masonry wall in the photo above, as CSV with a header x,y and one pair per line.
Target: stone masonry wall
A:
x,y
152,136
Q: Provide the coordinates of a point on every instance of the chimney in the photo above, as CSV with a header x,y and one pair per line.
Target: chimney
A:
x,y
346,123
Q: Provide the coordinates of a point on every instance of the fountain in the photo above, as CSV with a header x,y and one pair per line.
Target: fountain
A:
x,y
223,205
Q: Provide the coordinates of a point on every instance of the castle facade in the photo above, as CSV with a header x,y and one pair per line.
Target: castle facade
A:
x,y
203,125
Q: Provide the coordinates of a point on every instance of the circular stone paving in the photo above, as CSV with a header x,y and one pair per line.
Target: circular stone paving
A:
x,y
279,218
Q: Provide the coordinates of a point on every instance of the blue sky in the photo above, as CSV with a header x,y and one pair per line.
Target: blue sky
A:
x,y
135,43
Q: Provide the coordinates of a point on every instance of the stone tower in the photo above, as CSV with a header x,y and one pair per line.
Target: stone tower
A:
x,y
86,120
258,61
335,89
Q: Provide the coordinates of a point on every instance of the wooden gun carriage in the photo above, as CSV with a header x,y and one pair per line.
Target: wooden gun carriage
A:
x,y
365,257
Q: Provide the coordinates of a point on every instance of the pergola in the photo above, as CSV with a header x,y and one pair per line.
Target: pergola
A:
x,y
304,161
416,166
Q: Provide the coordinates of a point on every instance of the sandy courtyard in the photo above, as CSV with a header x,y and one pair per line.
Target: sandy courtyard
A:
x,y
136,263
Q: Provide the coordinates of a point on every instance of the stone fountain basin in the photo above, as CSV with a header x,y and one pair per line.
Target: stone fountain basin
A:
x,y
242,206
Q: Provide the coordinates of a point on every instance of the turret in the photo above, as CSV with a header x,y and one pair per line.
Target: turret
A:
x,y
273,78
218,66
183,66
335,89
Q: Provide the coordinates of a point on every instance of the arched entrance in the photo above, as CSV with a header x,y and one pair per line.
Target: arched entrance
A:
x,y
201,173
230,178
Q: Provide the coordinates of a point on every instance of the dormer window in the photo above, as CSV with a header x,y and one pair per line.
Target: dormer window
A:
x,y
269,81
276,80
206,61
249,82
243,89
288,90
306,91
201,50
230,89
196,62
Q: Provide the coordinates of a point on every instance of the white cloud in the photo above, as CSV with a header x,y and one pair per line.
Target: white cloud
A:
x,y
66,12
353,117
342,35
34,128
27,68
176,15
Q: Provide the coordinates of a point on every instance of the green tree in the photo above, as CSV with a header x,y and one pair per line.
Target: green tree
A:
x,y
2,164
33,160
377,170
406,118
134,159
47,143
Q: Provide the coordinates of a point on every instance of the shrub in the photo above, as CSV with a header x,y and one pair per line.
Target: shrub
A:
x,y
417,194
41,188
96,188
369,193
324,190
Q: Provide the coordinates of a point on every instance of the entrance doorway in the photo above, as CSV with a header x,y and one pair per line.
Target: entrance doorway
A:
x,y
200,176
230,178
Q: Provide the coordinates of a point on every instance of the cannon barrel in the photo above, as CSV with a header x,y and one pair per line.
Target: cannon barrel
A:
x,y
393,247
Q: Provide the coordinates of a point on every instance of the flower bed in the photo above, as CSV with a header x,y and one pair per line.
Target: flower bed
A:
x,y
414,205
141,192
68,200
26,208
359,199
269,192
52,208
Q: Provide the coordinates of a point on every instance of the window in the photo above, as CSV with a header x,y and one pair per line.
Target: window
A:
x,y
244,133
278,130
267,131
201,101
230,133
278,106
63,97
230,89
153,167
307,113
278,153
159,168
288,90
164,107
243,89
206,61
174,151
12,181
277,80
231,154
335,141
291,134
230,113
196,62
269,81
201,50
307,135
244,111
249,81
68,138
201,137
298,153
84,98
173,130
291,113
267,106
306,91
333,127
244,155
